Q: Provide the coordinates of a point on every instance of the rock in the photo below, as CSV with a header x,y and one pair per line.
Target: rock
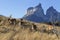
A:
x,y
35,14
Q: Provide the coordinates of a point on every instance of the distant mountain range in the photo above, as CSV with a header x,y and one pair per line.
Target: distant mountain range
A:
x,y
36,14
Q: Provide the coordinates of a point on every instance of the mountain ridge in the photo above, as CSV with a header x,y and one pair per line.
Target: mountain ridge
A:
x,y
36,14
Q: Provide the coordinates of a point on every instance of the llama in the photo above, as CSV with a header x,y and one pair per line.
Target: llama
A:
x,y
12,21
48,29
52,30
34,27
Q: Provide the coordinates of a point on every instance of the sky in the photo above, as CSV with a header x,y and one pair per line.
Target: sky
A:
x,y
18,8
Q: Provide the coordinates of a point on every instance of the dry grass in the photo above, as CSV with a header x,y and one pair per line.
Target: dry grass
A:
x,y
26,35
21,34
11,32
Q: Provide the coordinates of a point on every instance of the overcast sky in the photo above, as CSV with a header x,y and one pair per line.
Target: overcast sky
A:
x,y
18,7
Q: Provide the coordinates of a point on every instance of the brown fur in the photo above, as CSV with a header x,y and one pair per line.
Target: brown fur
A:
x,y
12,21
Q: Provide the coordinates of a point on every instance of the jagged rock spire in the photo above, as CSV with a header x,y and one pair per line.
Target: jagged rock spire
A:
x,y
51,14
35,13
37,10
39,5
51,9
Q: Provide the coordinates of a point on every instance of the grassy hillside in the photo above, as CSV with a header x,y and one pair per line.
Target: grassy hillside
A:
x,y
16,32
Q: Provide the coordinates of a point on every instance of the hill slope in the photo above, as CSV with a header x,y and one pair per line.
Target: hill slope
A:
x,y
13,31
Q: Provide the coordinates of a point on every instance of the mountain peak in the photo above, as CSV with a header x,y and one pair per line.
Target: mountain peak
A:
x,y
35,13
51,9
39,5
52,14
